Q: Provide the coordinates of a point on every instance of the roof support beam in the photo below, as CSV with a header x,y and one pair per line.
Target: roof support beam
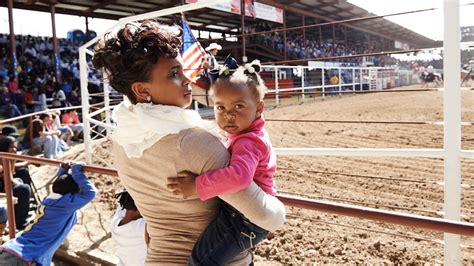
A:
x,y
59,10
309,13
101,5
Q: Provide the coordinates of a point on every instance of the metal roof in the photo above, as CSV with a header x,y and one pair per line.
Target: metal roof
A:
x,y
219,21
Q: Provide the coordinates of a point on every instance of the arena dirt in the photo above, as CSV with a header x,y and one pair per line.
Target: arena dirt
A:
x,y
316,237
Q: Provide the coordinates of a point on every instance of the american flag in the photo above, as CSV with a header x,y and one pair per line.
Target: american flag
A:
x,y
192,52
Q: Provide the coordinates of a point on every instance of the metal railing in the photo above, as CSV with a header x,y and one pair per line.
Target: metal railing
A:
x,y
361,79
326,80
418,221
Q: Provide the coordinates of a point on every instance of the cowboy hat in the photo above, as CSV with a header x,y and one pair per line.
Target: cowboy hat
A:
x,y
213,46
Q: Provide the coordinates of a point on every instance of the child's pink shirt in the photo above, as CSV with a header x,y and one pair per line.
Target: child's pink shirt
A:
x,y
68,119
252,158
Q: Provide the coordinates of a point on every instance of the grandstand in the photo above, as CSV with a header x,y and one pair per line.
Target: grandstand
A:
x,y
350,38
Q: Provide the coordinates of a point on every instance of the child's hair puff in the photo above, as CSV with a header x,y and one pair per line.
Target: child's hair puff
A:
x,y
247,75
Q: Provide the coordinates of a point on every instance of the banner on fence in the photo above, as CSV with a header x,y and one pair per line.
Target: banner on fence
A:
x,y
252,9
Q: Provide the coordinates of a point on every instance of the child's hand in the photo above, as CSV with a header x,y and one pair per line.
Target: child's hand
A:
x,y
183,184
63,168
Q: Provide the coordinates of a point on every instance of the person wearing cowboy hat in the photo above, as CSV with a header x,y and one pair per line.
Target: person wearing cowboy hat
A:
x,y
211,62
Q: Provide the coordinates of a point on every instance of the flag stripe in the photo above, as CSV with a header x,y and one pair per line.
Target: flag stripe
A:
x,y
192,53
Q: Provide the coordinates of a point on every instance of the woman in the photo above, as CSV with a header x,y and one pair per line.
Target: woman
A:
x,y
156,138
40,99
45,136
21,183
71,120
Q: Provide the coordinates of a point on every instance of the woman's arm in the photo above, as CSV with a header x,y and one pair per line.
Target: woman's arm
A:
x,y
246,154
49,133
203,152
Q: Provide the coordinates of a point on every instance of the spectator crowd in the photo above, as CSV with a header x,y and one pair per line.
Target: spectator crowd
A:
x,y
37,85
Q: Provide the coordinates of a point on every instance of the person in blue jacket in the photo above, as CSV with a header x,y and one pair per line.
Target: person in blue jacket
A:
x,y
55,218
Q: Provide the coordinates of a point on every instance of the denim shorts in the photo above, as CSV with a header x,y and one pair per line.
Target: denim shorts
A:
x,y
3,215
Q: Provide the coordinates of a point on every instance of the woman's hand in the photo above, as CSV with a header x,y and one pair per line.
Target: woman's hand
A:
x,y
183,184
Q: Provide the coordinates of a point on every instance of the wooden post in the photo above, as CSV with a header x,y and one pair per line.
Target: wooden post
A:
x,y
284,36
242,26
57,66
333,40
12,39
7,180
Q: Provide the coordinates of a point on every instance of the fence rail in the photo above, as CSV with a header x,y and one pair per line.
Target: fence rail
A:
x,y
436,224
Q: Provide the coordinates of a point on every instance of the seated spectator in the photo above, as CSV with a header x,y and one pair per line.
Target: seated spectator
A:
x,y
28,98
44,136
6,104
66,87
13,132
40,99
71,119
56,217
3,219
59,98
16,93
334,80
20,185
66,131
74,98
128,232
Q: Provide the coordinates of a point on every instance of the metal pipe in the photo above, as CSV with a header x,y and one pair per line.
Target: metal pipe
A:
x,y
364,152
341,57
437,123
44,161
436,224
454,227
7,181
13,119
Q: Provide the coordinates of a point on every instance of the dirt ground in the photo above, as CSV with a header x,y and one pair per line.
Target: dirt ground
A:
x,y
316,237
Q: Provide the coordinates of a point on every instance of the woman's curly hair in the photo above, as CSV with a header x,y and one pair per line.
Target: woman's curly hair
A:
x,y
129,57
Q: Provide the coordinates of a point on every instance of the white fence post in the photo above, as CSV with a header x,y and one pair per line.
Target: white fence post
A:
x,y
353,80
196,106
277,100
85,104
452,129
302,83
340,81
323,82
106,105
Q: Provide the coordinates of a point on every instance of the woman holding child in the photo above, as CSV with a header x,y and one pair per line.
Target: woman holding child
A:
x,y
156,138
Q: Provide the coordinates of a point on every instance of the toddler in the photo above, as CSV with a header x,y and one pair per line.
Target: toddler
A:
x,y
238,105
